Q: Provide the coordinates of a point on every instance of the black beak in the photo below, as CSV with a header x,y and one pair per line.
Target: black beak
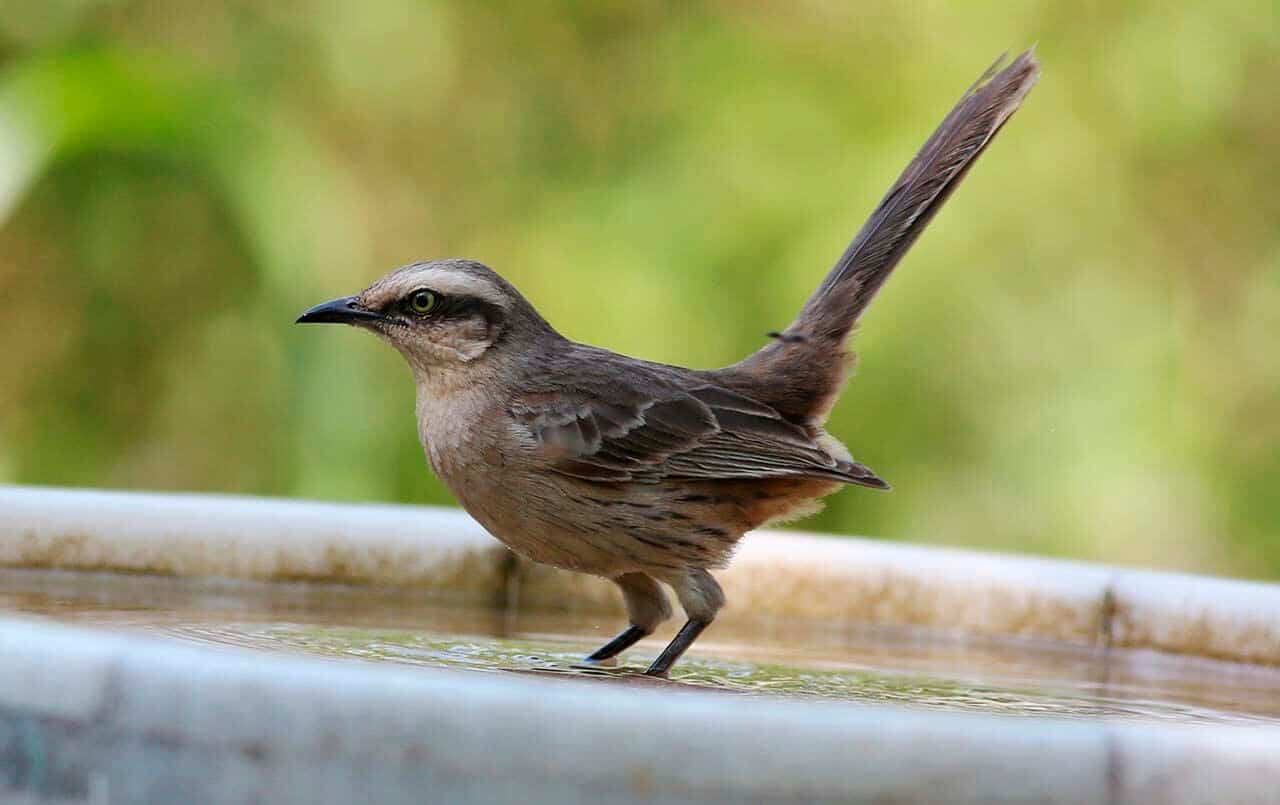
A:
x,y
338,311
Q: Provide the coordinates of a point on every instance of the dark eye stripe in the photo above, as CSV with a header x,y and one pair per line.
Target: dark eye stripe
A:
x,y
462,307
453,307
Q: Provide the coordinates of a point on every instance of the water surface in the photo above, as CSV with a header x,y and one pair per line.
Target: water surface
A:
x,y
750,658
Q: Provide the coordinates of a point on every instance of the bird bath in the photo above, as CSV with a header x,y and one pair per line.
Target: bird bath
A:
x,y
224,647
878,665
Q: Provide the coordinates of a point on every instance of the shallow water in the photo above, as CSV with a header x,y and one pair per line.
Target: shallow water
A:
x,y
871,665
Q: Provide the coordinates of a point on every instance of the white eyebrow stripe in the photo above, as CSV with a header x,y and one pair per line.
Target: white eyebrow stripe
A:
x,y
460,283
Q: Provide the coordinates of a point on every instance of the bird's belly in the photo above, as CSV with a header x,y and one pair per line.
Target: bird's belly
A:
x,y
610,529
607,530
522,513
539,524
596,528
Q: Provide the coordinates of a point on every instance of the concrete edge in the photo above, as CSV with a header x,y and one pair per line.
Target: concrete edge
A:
x,y
781,575
264,539
139,718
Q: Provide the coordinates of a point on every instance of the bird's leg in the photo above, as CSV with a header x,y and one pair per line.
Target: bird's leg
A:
x,y
701,598
683,639
646,607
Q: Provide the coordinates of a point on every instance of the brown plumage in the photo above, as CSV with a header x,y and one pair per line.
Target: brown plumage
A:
x,y
642,472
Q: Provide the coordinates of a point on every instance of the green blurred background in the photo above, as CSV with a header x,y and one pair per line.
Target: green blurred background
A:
x,y
1078,358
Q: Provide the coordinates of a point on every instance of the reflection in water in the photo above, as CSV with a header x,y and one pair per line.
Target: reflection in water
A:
x,y
855,663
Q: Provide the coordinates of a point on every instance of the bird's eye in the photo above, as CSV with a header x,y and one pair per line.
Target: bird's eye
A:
x,y
423,302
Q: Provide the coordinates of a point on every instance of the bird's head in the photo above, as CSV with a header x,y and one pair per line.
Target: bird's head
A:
x,y
440,315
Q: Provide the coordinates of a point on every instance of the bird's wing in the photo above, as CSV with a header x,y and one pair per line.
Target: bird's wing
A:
x,y
703,432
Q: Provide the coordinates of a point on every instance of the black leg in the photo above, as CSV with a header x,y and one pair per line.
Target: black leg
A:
x,y
628,638
683,639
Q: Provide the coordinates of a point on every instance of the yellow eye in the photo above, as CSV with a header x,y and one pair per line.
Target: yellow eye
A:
x,y
422,302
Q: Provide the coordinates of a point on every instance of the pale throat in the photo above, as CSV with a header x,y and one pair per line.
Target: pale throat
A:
x,y
451,407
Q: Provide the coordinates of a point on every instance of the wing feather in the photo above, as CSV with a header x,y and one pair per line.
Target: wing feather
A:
x,y
704,432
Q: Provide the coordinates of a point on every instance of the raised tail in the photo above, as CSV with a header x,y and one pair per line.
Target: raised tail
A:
x,y
802,370
914,199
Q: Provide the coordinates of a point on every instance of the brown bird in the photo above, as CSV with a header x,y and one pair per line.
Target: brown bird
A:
x,y
641,472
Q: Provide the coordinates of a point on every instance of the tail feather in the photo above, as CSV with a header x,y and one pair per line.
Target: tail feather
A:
x,y
915,198
801,372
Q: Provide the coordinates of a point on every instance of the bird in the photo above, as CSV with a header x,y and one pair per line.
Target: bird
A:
x,y
644,473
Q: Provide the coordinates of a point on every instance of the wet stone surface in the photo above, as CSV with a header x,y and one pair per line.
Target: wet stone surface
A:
x,y
881,666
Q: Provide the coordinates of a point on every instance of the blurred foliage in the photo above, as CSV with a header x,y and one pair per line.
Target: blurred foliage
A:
x,y
1078,358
